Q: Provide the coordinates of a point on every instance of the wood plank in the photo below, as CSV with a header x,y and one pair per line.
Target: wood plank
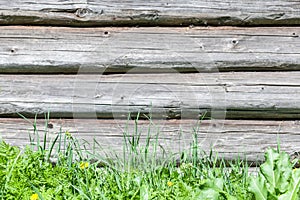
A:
x,y
236,95
145,50
231,138
150,13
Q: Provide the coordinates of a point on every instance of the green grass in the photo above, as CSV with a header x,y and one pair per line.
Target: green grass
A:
x,y
61,170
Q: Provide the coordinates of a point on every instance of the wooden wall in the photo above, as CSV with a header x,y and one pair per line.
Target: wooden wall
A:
x,y
91,63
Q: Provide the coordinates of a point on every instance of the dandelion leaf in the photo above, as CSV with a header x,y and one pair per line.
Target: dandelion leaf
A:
x,y
258,187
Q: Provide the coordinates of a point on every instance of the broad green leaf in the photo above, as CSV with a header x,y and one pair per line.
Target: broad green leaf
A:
x,y
268,169
137,180
229,197
209,194
218,182
212,189
292,193
258,187
284,169
144,193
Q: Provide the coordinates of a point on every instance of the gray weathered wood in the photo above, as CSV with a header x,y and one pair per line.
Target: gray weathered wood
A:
x,y
110,50
247,95
143,12
231,138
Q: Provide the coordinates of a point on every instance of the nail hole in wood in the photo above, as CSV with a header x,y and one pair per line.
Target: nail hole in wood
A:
x,y
234,41
12,51
49,125
106,32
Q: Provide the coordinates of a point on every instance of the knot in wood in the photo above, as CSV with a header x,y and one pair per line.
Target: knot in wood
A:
x,y
83,12
151,15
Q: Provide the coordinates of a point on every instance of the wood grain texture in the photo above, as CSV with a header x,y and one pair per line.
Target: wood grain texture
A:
x,y
235,95
147,50
231,138
150,13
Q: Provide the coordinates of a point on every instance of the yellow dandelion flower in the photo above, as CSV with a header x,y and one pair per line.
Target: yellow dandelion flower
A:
x,y
84,165
68,134
34,196
170,183
296,169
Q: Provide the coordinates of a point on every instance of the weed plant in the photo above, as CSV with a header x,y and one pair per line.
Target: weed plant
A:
x,y
62,169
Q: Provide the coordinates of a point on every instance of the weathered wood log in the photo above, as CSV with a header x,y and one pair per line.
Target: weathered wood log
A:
x,y
145,50
150,13
230,138
236,95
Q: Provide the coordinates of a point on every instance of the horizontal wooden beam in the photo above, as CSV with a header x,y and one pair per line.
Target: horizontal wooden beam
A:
x,y
150,13
238,95
146,50
230,138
